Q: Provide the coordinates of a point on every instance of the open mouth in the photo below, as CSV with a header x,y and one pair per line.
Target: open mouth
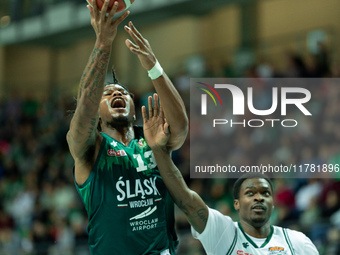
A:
x,y
118,103
258,208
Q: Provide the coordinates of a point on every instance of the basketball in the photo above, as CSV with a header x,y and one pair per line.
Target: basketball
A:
x,y
122,4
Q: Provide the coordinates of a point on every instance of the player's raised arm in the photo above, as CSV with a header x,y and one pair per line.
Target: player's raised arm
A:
x,y
83,128
172,103
156,133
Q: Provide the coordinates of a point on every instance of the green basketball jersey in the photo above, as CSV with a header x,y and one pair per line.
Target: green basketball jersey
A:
x,y
127,203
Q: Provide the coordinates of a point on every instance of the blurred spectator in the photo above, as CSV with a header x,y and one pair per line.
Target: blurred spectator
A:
x,y
296,66
307,194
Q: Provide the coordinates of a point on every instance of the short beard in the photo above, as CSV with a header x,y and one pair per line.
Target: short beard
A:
x,y
259,222
120,122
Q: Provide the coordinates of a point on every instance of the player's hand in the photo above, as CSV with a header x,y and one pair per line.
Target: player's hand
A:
x,y
104,25
156,130
140,47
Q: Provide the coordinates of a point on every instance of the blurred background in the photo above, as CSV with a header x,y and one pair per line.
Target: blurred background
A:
x,y
44,47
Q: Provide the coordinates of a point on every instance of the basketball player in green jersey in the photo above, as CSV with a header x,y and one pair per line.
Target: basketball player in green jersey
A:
x,y
115,173
219,235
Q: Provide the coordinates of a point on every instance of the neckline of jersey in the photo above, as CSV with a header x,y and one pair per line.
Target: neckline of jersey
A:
x,y
130,143
251,241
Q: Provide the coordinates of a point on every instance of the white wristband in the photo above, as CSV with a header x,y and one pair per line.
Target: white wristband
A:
x,y
156,71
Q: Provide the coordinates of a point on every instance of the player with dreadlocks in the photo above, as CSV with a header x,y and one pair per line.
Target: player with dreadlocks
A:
x,y
115,173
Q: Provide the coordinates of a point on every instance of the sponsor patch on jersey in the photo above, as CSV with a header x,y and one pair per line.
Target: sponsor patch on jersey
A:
x,y
116,153
276,250
141,143
239,252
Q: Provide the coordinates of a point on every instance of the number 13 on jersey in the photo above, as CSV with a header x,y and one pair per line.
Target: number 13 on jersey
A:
x,y
142,164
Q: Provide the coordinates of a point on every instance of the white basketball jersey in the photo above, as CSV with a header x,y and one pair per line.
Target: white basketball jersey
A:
x,y
222,236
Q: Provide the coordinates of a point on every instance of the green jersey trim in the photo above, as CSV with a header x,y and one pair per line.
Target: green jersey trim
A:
x,y
233,244
251,241
288,241
130,145
138,135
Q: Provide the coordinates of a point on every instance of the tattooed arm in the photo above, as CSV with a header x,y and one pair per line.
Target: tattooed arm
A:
x,y
83,138
156,133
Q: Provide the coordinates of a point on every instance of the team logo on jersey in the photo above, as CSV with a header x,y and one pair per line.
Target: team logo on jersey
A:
x,y
116,153
245,245
141,143
277,251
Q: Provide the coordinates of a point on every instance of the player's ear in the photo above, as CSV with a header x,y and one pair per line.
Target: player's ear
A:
x,y
236,205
